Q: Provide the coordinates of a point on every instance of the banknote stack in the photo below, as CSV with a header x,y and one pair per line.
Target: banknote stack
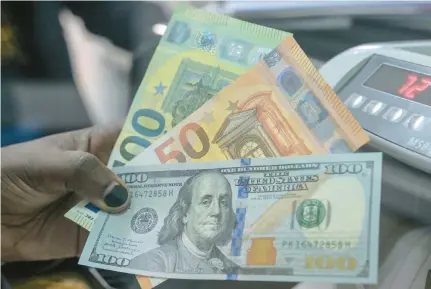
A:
x,y
237,113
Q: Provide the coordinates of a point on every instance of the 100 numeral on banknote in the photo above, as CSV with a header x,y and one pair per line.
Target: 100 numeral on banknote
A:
x,y
308,218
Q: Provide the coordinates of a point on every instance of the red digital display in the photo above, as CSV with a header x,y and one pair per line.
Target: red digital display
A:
x,y
402,83
414,85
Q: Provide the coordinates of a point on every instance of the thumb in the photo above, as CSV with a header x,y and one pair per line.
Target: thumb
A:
x,y
87,176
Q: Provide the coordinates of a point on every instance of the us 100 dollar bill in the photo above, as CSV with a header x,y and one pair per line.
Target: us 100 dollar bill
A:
x,y
306,218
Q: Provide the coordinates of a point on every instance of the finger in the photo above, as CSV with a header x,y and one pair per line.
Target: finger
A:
x,y
97,140
86,175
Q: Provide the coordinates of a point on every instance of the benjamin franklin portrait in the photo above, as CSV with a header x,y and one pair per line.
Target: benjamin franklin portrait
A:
x,y
199,221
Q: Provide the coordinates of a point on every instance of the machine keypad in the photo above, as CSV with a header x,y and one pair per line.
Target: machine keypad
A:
x,y
355,100
393,117
416,122
374,107
395,114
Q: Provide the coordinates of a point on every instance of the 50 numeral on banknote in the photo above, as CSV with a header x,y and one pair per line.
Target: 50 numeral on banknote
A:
x,y
195,128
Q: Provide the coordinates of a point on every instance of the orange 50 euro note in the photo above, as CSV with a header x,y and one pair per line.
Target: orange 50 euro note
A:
x,y
281,107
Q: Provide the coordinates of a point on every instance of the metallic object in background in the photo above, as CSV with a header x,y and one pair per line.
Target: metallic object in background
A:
x,y
419,22
406,169
291,9
317,63
325,28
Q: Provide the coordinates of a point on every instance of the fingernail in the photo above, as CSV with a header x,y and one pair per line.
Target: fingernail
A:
x,y
116,196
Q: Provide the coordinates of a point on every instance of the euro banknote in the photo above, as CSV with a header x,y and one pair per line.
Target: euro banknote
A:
x,y
305,218
199,54
281,107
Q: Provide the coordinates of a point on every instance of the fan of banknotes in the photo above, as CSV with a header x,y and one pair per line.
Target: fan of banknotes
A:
x,y
239,158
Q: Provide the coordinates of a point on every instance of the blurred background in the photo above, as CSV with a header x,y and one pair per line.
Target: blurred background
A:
x,y
68,65
62,72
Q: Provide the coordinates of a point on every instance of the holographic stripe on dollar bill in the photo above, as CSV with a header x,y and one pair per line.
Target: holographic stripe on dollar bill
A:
x,y
240,216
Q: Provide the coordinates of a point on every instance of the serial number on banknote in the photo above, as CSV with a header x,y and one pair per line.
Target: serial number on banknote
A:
x,y
153,194
316,244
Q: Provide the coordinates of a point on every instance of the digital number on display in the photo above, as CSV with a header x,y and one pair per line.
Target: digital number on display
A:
x,y
402,83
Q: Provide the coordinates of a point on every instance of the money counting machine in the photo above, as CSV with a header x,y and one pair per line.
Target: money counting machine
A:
x,y
387,87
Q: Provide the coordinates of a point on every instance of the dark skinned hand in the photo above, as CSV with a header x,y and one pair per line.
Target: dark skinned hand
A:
x,y
42,179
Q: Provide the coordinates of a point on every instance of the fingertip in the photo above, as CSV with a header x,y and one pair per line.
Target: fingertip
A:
x,y
116,198
116,195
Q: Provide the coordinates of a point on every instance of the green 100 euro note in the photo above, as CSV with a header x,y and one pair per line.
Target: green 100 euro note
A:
x,y
306,218
199,54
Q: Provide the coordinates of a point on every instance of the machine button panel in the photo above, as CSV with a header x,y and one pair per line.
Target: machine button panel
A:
x,y
395,114
384,107
355,100
416,122
374,107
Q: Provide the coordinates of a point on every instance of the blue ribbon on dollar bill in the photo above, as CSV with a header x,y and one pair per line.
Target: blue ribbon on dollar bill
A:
x,y
240,216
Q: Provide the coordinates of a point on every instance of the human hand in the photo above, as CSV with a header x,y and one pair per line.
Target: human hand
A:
x,y
42,179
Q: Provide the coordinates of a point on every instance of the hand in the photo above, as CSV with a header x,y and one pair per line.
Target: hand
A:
x,y
42,179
